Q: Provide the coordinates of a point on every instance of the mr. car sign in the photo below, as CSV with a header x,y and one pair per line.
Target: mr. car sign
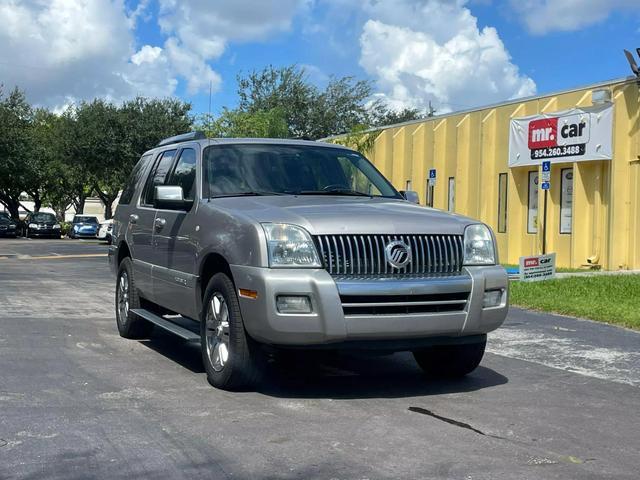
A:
x,y
579,134
558,136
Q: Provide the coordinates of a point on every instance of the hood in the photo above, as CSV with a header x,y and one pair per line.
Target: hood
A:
x,y
345,214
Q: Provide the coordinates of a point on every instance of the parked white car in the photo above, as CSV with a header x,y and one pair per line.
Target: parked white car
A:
x,y
105,231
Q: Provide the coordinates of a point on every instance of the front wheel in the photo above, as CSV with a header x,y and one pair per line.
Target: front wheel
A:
x,y
130,325
450,361
230,357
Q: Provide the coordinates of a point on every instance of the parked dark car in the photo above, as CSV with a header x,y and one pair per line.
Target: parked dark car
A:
x,y
40,224
84,226
8,227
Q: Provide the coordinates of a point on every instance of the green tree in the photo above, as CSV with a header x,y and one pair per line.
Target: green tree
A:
x,y
239,124
15,128
308,111
381,115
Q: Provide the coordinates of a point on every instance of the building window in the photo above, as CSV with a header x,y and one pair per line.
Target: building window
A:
x,y
566,200
532,217
502,203
451,203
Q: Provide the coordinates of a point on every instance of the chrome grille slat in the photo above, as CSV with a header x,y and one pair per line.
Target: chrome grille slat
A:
x,y
364,255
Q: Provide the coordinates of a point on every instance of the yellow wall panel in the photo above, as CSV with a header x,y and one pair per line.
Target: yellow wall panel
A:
x,y
473,148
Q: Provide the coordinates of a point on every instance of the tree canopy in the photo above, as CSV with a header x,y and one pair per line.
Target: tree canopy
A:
x,y
60,159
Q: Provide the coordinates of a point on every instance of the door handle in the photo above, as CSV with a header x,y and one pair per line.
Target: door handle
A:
x,y
133,218
160,222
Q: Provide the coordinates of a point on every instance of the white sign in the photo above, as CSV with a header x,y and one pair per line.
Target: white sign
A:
x,y
538,267
569,136
432,177
566,200
546,171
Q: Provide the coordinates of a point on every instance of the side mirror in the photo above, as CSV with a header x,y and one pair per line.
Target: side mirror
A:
x,y
170,197
410,196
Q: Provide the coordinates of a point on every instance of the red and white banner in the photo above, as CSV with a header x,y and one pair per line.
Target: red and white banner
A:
x,y
568,136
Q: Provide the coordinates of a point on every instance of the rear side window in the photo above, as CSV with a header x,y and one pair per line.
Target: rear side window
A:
x,y
158,175
184,174
134,178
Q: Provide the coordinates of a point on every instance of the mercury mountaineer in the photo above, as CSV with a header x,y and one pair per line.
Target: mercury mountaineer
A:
x,y
252,246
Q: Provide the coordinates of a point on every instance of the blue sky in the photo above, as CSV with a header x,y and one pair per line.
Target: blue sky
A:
x,y
454,53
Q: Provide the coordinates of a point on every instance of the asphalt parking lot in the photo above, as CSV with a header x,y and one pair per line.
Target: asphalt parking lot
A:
x,y
555,397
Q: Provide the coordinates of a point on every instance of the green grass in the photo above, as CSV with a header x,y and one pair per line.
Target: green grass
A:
x,y
606,298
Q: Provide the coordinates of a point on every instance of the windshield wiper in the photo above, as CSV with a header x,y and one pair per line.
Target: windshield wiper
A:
x,y
256,193
337,191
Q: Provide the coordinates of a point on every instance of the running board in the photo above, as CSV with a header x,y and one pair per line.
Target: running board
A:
x,y
168,325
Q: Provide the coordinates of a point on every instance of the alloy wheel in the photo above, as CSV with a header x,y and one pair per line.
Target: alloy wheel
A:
x,y
217,331
123,298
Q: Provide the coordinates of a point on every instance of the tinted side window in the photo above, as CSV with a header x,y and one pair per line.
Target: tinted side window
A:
x,y
184,174
134,178
158,175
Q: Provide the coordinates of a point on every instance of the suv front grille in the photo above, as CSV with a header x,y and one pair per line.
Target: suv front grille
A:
x,y
403,304
358,255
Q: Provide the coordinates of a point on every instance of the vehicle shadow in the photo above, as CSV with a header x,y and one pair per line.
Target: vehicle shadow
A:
x,y
334,374
355,375
186,354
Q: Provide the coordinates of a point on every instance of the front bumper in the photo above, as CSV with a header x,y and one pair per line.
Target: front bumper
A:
x,y
44,232
85,233
329,324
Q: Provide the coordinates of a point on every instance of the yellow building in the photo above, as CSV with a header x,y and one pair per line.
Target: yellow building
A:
x,y
593,210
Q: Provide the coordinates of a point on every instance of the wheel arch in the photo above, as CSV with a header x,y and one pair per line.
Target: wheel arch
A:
x,y
212,263
123,252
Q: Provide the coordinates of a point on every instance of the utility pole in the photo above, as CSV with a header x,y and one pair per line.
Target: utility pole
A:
x,y
431,111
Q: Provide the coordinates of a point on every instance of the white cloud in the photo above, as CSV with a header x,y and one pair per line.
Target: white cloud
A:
x,y
60,51
433,50
543,16
239,20
199,33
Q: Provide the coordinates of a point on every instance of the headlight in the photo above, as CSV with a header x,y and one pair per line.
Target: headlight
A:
x,y
57,225
12,226
33,225
478,246
290,246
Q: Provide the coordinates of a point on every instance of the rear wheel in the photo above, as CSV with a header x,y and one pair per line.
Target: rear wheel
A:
x,y
130,325
450,361
231,358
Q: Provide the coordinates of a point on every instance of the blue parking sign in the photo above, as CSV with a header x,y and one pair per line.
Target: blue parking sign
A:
x,y
546,166
432,173
546,185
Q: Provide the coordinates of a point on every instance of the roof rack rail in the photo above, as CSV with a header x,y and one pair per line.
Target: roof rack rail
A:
x,y
197,135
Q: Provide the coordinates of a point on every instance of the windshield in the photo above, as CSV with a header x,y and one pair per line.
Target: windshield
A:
x,y
263,169
79,219
43,217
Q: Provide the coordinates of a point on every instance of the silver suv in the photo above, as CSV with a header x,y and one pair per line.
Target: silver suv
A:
x,y
251,246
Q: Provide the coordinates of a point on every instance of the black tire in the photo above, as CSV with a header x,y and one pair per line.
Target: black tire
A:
x,y
450,361
232,359
129,324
